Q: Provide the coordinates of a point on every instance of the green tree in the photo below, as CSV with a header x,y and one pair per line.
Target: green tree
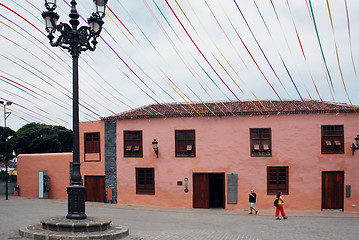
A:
x,y
42,138
6,147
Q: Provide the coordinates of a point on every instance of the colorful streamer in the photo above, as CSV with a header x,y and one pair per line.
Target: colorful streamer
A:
x,y
305,58
337,55
122,23
259,46
350,39
225,34
190,69
320,44
22,18
37,74
280,56
206,58
253,57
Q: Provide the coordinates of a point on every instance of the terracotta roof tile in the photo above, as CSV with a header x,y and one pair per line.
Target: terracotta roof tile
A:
x,y
228,108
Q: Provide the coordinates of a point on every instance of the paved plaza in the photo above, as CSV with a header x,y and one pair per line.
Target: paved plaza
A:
x,y
157,223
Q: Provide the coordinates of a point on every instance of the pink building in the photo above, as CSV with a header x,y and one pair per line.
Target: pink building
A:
x,y
211,155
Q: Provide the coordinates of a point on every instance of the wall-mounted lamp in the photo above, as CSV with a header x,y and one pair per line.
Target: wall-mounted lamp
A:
x,y
355,146
155,147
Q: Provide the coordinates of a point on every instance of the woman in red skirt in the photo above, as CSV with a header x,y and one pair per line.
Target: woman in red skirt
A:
x,y
280,207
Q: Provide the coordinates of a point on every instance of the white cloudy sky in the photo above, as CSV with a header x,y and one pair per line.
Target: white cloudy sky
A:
x,y
148,57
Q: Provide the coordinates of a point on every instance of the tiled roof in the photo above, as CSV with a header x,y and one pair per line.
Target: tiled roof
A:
x,y
229,108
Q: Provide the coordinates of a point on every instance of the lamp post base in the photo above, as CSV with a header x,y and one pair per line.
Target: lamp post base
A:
x,y
76,202
56,228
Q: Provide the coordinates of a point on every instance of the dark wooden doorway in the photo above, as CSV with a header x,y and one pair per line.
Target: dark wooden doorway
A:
x,y
333,190
95,188
208,190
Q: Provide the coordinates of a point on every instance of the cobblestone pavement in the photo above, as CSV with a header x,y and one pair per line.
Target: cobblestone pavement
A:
x,y
155,223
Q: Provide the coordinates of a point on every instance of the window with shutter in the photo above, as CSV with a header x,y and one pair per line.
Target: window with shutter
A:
x,y
261,142
132,144
185,143
92,146
332,139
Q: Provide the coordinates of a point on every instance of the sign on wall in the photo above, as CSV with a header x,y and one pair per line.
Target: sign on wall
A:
x,y
232,188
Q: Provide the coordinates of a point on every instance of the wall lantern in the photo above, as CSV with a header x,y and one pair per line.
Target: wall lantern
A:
x,y
155,147
355,145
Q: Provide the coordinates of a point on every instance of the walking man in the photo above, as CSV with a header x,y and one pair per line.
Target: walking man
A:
x,y
252,201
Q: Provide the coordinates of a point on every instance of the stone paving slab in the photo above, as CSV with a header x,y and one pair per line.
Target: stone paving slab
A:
x,y
156,223
327,213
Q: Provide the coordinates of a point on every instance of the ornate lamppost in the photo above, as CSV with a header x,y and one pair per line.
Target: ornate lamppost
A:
x,y
76,40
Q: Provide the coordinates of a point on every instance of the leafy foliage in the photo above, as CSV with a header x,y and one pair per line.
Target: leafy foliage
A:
x,y
42,138
6,147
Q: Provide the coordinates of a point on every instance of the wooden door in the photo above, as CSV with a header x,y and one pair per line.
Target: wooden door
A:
x,y
200,190
95,188
333,190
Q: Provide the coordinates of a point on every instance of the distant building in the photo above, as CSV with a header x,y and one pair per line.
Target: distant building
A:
x,y
211,155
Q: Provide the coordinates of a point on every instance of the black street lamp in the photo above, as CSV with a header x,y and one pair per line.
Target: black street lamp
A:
x,y
75,40
6,115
